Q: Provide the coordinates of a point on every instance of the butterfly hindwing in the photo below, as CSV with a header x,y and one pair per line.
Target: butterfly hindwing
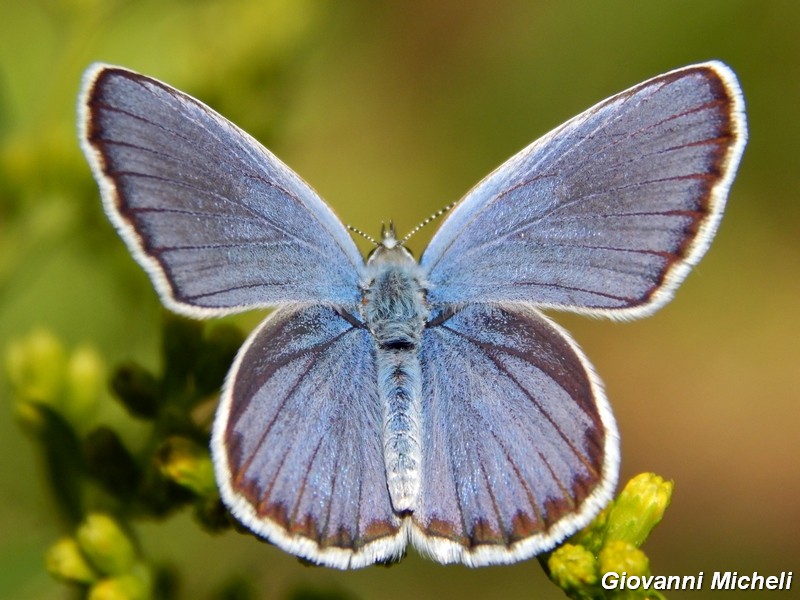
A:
x,y
219,223
519,445
297,441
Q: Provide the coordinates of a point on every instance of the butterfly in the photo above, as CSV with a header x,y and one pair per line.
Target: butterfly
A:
x,y
388,401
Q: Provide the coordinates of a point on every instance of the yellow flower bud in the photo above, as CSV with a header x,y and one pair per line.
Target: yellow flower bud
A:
x,y
35,366
623,557
639,508
188,464
135,585
106,545
64,561
85,380
572,567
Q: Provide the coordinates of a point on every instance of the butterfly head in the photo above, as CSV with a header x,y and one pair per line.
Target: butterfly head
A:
x,y
389,236
390,249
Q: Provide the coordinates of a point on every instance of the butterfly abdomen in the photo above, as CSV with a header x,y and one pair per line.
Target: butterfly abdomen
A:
x,y
400,386
395,312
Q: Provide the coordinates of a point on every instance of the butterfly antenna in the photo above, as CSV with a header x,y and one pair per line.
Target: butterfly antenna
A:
x,y
370,239
435,215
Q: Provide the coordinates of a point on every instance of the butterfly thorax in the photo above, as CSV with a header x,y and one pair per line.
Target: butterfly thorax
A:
x,y
394,310
393,300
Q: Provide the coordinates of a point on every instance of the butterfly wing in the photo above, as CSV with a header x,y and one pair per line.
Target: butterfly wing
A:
x,y
520,447
297,441
607,213
218,222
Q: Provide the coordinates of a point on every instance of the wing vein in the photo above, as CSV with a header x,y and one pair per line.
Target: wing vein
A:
x,y
485,348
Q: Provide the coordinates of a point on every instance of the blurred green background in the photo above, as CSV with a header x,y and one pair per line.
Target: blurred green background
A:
x,y
392,110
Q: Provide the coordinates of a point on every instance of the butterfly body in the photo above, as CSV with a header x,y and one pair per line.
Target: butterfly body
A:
x,y
394,309
433,403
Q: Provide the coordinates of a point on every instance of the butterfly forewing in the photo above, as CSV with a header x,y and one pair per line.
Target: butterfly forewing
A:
x,y
607,213
520,447
219,223
297,441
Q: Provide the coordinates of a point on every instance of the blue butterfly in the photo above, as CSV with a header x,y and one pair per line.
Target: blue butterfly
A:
x,y
390,401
